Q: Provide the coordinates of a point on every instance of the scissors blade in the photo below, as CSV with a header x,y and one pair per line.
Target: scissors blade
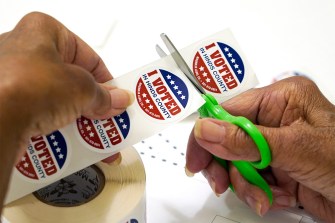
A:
x,y
160,51
181,63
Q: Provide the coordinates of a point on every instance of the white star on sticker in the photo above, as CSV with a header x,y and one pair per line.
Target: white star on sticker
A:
x,y
52,137
48,165
172,82
124,126
26,165
229,79
58,150
85,122
151,107
147,101
208,80
55,143
204,74
113,134
168,77
239,72
183,97
121,120
175,87
226,49
23,158
232,60
91,134
236,66
60,156
179,92
144,95
201,68
88,128
172,106
230,55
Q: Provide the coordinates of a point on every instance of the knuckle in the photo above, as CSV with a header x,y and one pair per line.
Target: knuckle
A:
x,y
34,18
301,84
37,21
235,140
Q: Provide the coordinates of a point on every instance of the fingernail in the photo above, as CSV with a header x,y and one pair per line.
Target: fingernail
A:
x,y
197,129
213,186
188,172
255,205
286,201
121,98
131,97
206,129
117,161
210,181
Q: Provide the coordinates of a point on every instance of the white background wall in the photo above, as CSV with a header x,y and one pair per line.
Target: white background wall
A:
x,y
275,35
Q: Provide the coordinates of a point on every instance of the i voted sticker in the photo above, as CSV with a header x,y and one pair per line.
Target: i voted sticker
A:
x,y
45,157
218,68
103,135
162,95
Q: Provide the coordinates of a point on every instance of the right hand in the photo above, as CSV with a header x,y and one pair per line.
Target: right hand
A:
x,y
299,125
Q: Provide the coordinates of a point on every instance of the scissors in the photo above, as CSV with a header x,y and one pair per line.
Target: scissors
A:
x,y
212,109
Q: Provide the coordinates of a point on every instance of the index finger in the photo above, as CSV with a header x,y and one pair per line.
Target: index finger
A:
x,y
263,106
81,54
44,34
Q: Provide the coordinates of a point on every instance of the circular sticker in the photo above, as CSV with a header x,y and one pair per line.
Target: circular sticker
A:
x,y
74,190
44,158
102,135
218,68
161,94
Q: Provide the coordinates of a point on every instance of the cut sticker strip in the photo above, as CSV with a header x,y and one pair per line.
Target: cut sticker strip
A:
x,y
164,96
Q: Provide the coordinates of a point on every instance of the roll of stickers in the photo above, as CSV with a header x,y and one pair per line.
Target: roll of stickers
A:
x,y
99,193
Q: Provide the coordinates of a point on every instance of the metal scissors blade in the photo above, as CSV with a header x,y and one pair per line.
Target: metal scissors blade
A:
x,y
160,51
181,62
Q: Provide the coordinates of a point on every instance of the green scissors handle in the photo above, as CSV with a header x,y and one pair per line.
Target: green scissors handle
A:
x,y
247,169
212,109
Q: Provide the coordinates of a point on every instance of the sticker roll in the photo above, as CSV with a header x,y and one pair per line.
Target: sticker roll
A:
x,y
99,193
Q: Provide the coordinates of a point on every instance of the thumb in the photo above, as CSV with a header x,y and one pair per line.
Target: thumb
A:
x,y
292,147
229,141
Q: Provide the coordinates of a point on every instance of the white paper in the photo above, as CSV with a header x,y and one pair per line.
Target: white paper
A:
x,y
174,197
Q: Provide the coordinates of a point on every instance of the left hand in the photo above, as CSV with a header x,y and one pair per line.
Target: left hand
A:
x,y
49,77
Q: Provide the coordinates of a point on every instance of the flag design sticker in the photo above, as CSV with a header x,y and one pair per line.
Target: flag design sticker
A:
x,y
218,68
44,157
102,135
161,94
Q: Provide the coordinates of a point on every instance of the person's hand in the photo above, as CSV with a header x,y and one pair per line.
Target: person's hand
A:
x,y
299,125
48,78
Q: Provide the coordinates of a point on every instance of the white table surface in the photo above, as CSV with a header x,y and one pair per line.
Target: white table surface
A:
x,y
276,36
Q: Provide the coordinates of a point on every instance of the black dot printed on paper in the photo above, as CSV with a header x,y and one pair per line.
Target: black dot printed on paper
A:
x,y
163,148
